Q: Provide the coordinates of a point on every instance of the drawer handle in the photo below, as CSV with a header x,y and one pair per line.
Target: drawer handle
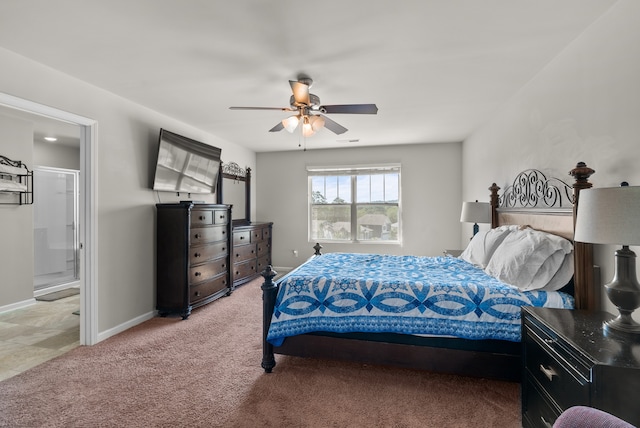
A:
x,y
197,236
197,274
201,217
242,237
196,255
224,266
197,294
548,372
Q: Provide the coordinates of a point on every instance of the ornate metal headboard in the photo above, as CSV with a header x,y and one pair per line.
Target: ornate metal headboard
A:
x,y
532,189
551,205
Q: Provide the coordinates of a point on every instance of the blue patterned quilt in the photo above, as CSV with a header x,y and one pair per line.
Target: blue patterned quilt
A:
x,y
446,296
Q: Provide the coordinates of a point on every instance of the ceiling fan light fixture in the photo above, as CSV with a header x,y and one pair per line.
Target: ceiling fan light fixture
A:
x,y
307,128
291,123
317,123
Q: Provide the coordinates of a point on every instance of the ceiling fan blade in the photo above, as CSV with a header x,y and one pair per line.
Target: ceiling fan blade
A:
x,y
263,108
300,93
278,127
333,126
350,109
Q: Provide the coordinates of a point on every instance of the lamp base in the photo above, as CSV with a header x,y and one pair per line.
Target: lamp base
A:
x,y
624,292
619,324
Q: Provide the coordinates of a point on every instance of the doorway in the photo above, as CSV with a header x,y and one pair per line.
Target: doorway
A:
x,y
87,208
55,229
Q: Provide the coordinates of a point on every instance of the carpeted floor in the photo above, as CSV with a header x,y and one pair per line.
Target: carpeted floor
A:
x,y
205,372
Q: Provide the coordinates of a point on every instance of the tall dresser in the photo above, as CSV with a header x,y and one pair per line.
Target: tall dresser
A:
x,y
192,256
251,251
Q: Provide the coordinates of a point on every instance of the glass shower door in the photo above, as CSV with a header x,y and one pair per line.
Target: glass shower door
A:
x,y
55,219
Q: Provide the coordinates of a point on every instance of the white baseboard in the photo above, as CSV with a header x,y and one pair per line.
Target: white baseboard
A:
x,y
125,326
17,305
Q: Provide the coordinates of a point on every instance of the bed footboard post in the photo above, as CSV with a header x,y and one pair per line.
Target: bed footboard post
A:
x,y
269,291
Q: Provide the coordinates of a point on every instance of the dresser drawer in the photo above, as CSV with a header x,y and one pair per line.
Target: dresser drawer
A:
x,y
201,217
266,233
256,235
243,270
244,252
220,217
208,252
264,248
201,235
241,237
263,262
208,288
538,411
206,271
554,369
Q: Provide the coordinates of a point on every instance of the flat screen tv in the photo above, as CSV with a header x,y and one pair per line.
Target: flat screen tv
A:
x,y
185,165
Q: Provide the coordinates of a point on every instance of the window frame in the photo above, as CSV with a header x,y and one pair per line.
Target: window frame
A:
x,y
353,171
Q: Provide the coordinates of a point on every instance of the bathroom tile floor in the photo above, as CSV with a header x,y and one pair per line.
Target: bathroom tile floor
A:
x,y
40,332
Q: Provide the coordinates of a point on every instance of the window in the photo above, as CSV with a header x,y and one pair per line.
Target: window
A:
x,y
355,204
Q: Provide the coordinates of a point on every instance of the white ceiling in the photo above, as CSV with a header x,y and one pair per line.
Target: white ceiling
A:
x,y
437,69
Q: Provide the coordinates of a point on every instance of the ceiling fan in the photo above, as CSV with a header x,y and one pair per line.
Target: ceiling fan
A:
x,y
310,113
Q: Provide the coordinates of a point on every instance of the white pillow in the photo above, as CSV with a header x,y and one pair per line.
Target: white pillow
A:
x,y
562,276
483,245
522,254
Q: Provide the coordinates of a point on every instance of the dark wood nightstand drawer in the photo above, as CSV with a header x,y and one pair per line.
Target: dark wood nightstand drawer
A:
x,y
548,364
540,410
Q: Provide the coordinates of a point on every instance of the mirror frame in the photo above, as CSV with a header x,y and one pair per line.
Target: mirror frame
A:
x,y
232,170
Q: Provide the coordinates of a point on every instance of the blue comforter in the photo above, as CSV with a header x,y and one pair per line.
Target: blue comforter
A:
x,y
445,296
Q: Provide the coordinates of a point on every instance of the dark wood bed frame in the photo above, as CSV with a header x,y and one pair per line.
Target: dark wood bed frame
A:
x,y
531,200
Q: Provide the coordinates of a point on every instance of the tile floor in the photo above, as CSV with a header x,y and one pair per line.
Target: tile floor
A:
x,y
35,334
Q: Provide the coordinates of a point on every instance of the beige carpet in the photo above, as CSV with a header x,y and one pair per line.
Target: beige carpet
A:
x,y
205,372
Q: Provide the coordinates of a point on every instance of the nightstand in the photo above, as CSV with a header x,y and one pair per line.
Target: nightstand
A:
x,y
452,253
568,360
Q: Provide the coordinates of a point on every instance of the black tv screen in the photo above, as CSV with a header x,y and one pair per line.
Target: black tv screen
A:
x,y
185,165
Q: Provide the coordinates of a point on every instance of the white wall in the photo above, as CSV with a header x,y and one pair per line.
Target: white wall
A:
x,y
584,106
126,155
431,201
16,221
55,155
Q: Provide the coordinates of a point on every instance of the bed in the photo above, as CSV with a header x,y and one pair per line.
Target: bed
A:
x,y
456,315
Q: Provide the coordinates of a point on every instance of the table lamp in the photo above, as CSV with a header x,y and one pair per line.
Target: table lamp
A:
x,y
475,212
612,216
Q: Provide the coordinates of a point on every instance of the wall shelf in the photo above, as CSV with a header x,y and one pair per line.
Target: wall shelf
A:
x,y
16,182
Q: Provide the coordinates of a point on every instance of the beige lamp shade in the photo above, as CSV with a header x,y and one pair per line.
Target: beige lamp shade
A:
x,y
475,212
609,216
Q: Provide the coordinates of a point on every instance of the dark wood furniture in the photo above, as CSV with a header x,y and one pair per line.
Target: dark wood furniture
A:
x,y
251,242
251,251
569,360
231,172
531,200
192,256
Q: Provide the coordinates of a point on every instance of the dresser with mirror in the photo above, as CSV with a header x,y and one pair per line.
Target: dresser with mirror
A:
x,y
251,241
